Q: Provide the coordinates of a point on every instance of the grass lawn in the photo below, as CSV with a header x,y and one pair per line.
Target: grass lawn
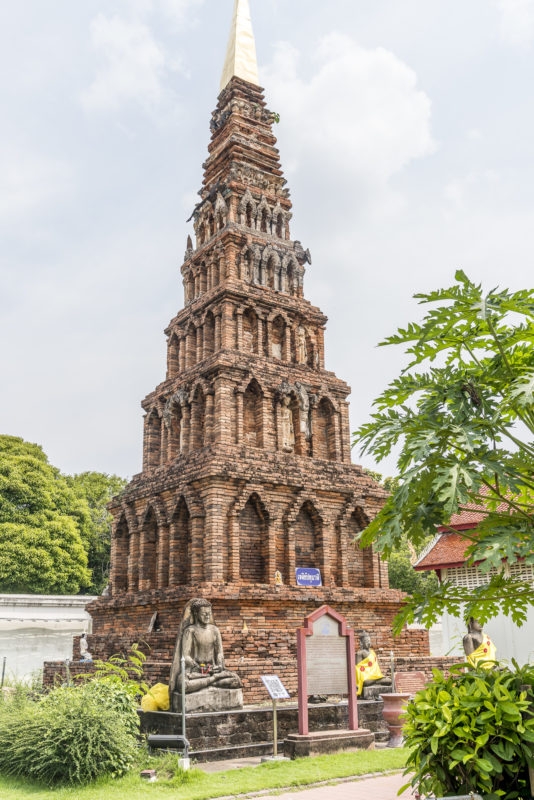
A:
x,y
201,786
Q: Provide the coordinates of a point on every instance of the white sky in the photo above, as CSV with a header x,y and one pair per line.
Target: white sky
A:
x,y
406,134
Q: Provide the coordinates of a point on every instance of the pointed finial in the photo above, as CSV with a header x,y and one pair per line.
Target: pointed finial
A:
x,y
241,60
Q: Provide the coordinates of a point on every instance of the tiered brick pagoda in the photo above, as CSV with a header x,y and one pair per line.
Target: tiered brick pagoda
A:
x,y
247,456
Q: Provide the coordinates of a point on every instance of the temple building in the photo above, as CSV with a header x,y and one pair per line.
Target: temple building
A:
x,y
247,473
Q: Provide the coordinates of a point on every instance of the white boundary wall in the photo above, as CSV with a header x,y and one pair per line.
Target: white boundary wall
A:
x,y
510,641
39,628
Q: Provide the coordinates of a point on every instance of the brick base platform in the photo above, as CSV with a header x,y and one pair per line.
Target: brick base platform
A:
x,y
233,734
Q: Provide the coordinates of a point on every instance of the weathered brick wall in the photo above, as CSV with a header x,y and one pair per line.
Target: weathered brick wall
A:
x,y
256,664
258,627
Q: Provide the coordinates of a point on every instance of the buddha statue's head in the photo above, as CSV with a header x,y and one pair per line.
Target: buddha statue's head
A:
x,y
201,611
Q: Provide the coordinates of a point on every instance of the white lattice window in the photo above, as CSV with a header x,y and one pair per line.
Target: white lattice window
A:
x,y
471,577
468,577
522,572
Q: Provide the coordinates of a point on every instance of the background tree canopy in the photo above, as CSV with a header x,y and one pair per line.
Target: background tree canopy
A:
x,y
97,489
462,416
402,575
54,530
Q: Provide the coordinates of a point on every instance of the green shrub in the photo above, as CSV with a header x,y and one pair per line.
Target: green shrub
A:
x,y
74,735
102,693
473,732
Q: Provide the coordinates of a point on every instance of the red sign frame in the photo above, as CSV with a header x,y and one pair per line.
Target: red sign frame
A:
x,y
302,634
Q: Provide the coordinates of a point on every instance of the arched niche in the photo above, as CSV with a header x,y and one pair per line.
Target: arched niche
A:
x,y
360,568
180,545
325,436
198,419
149,551
250,332
253,541
278,337
308,538
209,335
253,415
120,557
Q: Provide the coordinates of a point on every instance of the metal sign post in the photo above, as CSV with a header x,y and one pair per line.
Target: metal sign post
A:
x,y
185,761
3,672
183,695
275,730
277,691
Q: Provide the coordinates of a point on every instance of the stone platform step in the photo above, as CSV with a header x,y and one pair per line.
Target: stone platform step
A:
x,y
236,751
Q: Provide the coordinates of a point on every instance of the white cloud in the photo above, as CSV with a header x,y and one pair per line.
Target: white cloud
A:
x,y
134,69
361,114
517,21
465,191
178,10
29,181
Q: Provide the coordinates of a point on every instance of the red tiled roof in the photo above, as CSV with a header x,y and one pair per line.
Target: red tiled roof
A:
x,y
448,551
472,515
449,548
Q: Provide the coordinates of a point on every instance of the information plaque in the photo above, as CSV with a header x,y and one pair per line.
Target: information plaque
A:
x,y
325,661
275,687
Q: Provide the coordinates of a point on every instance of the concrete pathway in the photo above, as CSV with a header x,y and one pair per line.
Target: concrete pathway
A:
x,y
384,788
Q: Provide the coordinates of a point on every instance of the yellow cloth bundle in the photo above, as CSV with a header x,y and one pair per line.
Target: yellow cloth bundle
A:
x,y
157,698
486,652
367,670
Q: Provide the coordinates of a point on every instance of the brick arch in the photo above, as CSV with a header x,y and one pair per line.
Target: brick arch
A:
x,y
154,412
199,383
249,378
160,511
131,517
245,494
268,253
325,394
279,313
294,509
192,499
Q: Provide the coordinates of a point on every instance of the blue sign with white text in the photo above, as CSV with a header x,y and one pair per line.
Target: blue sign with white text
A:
x,y
308,576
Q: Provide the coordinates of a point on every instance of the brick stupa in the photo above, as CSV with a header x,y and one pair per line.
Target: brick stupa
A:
x,y
247,454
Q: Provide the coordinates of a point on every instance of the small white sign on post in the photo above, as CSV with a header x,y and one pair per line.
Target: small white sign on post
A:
x,y
275,687
277,691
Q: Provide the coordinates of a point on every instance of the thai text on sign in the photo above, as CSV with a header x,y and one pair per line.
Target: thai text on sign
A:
x,y
275,687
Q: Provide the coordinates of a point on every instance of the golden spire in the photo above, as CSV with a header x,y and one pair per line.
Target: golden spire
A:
x,y
241,54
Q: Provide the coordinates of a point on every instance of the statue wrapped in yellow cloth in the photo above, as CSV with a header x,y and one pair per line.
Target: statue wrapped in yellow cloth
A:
x,y
368,671
478,646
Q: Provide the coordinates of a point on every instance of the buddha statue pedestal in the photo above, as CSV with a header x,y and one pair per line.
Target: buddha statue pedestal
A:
x,y
208,700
